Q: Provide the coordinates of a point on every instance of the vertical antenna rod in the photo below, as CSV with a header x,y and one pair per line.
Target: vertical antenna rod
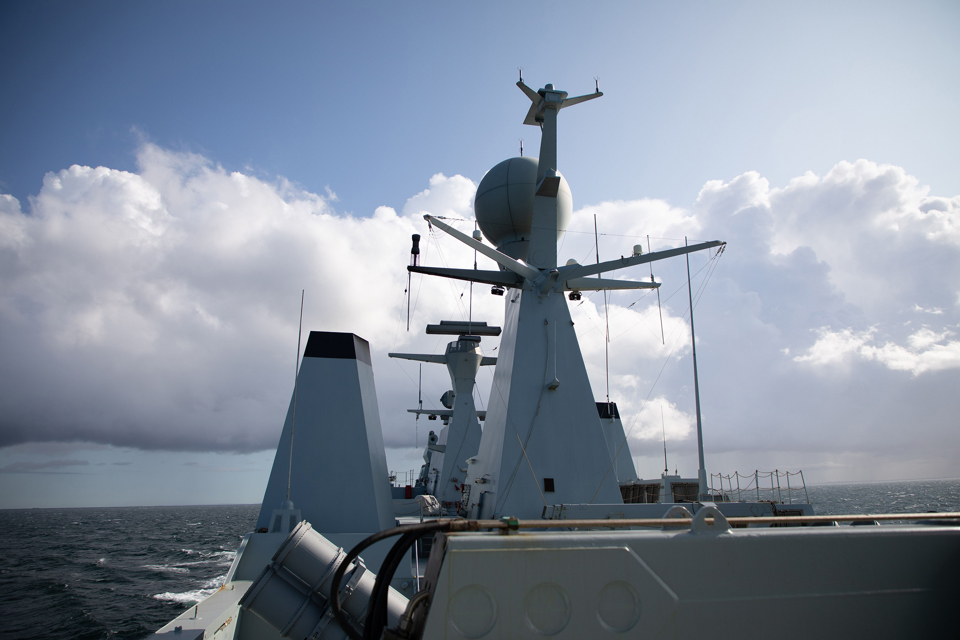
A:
x,y
416,422
296,380
478,237
414,262
701,473
663,430
606,316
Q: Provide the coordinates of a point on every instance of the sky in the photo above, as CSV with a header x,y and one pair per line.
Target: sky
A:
x,y
173,175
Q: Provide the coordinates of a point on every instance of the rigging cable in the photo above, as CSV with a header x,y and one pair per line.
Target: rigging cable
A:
x,y
659,308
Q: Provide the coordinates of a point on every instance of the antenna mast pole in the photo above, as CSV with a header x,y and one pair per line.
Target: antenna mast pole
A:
x,y
701,472
414,261
663,430
606,315
416,422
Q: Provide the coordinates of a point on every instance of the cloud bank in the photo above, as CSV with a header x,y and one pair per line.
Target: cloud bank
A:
x,y
158,309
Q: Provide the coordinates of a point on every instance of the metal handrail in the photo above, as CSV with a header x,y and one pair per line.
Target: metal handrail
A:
x,y
620,523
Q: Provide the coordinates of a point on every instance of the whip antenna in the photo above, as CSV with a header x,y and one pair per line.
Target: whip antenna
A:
x,y
414,262
296,380
606,315
701,473
416,422
663,430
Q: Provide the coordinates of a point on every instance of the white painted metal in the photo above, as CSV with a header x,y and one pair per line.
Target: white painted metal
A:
x,y
707,582
504,260
621,460
542,442
533,432
660,509
504,206
461,438
336,413
605,284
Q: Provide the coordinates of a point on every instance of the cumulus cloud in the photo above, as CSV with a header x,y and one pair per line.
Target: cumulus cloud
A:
x,y
158,309
835,347
660,419
827,327
923,352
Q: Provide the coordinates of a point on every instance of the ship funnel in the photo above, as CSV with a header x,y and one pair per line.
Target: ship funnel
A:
x,y
292,593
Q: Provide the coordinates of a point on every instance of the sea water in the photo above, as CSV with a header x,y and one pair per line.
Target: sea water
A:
x,y
126,572
111,572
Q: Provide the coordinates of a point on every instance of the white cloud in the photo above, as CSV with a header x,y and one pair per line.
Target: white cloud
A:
x,y
935,357
926,338
923,352
835,347
934,311
658,419
157,309
861,218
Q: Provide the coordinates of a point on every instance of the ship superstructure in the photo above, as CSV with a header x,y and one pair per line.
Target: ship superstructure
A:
x,y
533,533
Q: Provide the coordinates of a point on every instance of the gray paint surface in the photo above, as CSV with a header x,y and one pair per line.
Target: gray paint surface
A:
x,y
339,475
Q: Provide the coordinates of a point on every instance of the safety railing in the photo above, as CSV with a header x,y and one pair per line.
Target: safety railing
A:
x,y
402,478
762,486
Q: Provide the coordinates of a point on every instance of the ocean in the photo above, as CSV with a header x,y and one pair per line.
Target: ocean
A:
x,y
124,572
111,572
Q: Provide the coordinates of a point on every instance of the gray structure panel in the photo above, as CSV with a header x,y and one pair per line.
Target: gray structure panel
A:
x,y
337,435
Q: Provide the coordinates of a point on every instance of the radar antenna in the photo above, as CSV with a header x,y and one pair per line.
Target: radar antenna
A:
x,y
546,104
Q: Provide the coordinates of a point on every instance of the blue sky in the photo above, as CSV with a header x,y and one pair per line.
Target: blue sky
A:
x,y
367,98
743,121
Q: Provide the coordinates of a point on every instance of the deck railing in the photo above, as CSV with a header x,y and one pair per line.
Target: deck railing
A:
x,y
402,478
767,486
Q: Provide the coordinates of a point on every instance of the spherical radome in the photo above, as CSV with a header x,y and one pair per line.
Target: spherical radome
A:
x,y
504,205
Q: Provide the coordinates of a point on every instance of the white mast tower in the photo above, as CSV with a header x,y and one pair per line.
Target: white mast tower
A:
x,y
542,442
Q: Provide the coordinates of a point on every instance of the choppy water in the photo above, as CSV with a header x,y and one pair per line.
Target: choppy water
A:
x,y
111,573
125,572
916,496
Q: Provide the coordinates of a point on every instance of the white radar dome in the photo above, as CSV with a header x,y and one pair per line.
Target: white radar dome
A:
x,y
504,205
